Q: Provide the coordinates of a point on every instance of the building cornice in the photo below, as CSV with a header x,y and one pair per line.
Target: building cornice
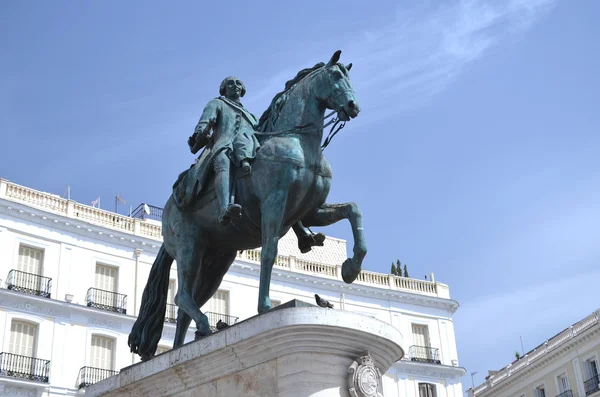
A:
x,y
77,227
96,224
306,279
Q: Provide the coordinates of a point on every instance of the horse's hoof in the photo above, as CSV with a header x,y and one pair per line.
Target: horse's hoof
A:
x,y
199,334
306,243
349,271
146,357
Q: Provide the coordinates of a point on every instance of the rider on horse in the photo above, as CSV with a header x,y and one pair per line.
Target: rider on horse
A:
x,y
233,142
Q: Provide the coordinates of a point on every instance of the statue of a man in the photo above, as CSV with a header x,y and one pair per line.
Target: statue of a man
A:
x,y
233,141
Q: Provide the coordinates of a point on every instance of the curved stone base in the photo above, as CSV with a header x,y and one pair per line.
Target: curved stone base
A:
x,y
296,351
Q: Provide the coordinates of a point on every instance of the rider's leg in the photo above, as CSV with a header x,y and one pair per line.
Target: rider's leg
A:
x,y
223,190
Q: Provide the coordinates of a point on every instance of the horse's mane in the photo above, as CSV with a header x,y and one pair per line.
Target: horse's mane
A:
x,y
269,117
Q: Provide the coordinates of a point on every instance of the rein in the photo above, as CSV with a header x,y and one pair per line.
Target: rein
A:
x,y
309,128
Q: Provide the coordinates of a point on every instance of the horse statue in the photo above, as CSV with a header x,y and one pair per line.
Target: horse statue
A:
x,y
289,183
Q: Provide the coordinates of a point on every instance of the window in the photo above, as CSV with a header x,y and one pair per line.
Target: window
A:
x,y
590,368
30,260
427,390
219,303
420,335
102,352
106,278
539,391
563,383
22,338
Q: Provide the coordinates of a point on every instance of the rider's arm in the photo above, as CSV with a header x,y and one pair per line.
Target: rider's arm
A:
x,y
208,119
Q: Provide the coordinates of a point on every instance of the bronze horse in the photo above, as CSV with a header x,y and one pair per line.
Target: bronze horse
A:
x,y
290,182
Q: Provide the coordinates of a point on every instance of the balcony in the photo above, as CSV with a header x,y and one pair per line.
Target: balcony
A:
x,y
424,354
22,367
171,314
147,211
106,300
566,393
29,283
90,375
592,385
213,319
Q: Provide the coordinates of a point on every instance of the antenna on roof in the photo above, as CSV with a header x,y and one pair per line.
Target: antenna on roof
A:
x,y
118,199
523,350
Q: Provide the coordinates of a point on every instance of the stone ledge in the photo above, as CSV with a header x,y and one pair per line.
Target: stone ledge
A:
x,y
288,344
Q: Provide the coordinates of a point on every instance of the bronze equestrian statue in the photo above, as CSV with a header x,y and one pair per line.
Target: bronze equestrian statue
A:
x,y
280,180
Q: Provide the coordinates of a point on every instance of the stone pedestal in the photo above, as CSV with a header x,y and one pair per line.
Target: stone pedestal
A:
x,y
290,351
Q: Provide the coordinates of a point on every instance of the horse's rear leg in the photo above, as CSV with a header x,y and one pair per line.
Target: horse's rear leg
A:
x,y
331,213
209,279
189,262
272,210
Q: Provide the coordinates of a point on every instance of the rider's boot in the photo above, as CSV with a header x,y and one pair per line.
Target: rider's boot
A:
x,y
306,239
227,211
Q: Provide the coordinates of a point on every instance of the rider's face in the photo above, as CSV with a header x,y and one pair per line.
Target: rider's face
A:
x,y
233,89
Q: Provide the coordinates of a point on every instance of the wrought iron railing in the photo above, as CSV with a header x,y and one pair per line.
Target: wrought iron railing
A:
x,y
23,367
213,319
90,375
592,385
29,283
566,393
171,313
424,354
147,211
106,300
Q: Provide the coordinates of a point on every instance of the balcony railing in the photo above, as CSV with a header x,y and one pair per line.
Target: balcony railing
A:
x,y
29,283
23,367
106,300
213,319
566,393
147,211
592,385
90,375
424,354
171,313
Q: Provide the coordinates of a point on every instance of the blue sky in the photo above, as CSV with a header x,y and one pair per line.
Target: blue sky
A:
x,y
474,156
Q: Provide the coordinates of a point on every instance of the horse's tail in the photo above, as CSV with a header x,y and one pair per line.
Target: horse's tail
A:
x,y
147,330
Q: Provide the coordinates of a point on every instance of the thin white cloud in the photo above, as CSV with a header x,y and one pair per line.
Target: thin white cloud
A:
x,y
428,46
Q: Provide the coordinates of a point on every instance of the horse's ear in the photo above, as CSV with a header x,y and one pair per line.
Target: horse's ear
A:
x,y
335,58
349,66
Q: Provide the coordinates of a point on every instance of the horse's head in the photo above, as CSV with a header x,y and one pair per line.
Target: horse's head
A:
x,y
335,89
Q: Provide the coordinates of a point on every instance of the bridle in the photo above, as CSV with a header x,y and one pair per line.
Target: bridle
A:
x,y
315,125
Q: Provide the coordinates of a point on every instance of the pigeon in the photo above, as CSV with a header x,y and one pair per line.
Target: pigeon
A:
x,y
322,302
221,325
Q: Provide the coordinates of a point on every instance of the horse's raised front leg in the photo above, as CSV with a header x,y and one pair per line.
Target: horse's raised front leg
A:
x,y
272,210
331,213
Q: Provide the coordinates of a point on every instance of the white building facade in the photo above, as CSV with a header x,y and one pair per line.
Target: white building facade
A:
x,y
72,278
565,365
